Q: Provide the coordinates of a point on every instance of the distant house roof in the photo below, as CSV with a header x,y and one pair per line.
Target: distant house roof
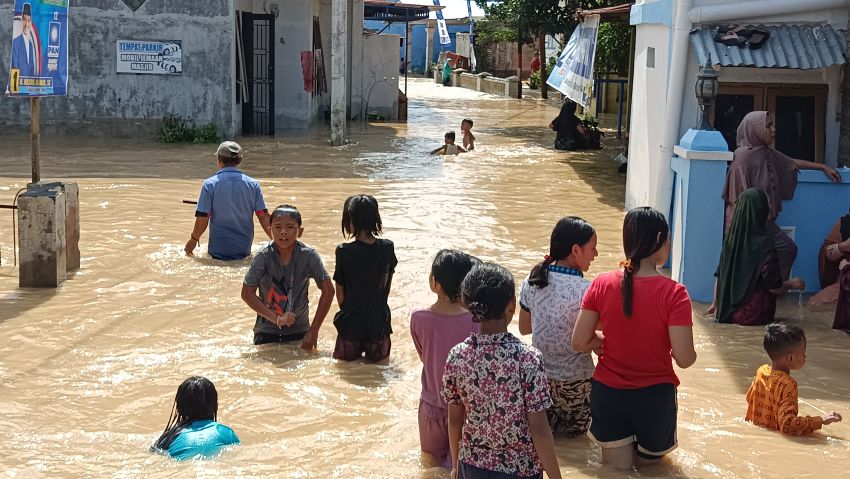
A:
x,y
619,13
396,11
802,47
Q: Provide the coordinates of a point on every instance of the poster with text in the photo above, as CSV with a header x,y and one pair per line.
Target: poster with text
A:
x,y
150,57
39,60
573,73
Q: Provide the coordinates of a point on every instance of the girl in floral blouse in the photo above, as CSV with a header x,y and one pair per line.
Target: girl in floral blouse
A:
x,y
496,390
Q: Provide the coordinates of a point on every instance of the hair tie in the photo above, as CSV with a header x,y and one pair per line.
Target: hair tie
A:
x,y
547,259
627,266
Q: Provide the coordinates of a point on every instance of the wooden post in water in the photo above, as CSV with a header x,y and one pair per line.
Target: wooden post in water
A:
x,y
35,137
541,47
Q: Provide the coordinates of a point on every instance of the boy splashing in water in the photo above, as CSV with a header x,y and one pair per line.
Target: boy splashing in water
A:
x,y
449,147
468,137
772,398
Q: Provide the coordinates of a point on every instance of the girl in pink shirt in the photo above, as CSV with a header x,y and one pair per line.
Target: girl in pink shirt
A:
x,y
435,331
641,320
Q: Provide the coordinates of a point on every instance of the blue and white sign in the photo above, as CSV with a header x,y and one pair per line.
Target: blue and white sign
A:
x,y
445,39
150,58
573,73
39,60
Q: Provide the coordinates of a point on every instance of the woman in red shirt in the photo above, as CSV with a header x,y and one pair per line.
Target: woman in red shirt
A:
x,y
636,319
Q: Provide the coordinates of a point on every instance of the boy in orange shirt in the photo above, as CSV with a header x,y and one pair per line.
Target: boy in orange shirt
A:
x,y
772,398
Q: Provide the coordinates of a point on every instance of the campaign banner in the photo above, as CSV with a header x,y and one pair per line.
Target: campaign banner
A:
x,y
573,72
150,57
39,60
445,39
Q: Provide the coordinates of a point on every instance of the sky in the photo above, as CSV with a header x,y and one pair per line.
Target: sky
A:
x,y
454,8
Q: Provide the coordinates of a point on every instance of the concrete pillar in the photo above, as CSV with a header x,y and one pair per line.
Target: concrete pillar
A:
x,y
339,55
697,218
41,232
512,88
429,46
72,225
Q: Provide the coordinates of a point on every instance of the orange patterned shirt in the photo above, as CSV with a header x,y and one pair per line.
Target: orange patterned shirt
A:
x,y
772,403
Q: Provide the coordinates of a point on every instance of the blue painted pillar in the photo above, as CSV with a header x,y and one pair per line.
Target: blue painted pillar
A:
x,y
697,217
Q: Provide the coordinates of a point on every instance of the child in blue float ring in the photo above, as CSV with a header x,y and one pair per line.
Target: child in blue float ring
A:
x,y
192,430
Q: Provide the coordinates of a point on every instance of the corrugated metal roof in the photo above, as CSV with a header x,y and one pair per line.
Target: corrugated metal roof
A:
x,y
803,47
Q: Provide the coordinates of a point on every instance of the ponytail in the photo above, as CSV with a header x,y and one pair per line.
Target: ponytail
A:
x,y
568,232
645,231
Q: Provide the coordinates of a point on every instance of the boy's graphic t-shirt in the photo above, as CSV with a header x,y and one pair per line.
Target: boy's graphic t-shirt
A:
x,y
283,288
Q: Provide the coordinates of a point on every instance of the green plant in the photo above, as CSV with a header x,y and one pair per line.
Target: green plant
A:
x,y
589,122
534,80
174,129
207,134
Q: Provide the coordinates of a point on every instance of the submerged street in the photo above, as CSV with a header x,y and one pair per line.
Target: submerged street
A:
x,y
89,370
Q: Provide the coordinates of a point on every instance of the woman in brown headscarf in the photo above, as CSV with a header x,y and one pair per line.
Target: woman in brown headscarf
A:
x,y
757,165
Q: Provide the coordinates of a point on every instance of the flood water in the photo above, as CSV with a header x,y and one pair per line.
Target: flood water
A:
x,y
89,370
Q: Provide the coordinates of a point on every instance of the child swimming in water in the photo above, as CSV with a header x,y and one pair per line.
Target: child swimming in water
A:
x,y
772,397
549,304
496,390
363,276
468,137
281,272
192,429
449,147
435,331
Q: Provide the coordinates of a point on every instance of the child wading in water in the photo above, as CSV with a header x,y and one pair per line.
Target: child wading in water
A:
x,y
550,301
282,272
449,147
496,390
435,331
645,322
772,398
192,429
364,274
468,137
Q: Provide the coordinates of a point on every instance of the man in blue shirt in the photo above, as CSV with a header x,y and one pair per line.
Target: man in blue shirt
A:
x,y
227,203
24,57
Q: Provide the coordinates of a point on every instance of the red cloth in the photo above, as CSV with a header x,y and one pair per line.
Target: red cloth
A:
x,y
637,350
307,70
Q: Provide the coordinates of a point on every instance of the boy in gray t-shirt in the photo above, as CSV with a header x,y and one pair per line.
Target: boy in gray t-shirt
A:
x,y
281,271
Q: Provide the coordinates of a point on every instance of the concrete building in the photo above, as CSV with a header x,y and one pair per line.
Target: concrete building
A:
x,y
419,44
248,66
680,170
796,75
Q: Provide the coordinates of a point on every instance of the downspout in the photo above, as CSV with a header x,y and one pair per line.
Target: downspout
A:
x,y
675,99
760,8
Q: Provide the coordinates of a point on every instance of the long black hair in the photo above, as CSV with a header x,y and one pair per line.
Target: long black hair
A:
x,y
360,213
487,291
196,400
449,268
645,231
569,231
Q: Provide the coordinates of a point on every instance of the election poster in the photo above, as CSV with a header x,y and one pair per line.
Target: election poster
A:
x,y
573,72
39,60
150,57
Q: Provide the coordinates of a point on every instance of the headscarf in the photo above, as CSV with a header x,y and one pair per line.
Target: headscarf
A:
x,y
566,123
746,249
756,165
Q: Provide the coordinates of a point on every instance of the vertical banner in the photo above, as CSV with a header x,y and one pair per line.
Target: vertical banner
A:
x,y
472,61
573,73
445,39
39,60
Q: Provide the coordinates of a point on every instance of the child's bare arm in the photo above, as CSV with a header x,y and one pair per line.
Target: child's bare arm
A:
x,y
438,150
541,435
340,294
460,149
457,416
311,338
249,296
524,322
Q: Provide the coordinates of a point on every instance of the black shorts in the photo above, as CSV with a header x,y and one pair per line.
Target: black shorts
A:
x,y
645,416
465,471
265,338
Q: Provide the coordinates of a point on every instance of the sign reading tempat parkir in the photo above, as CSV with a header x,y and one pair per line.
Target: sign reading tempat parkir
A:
x,y
151,58
39,60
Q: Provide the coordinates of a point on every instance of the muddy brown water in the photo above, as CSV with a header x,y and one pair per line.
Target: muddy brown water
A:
x,y
89,371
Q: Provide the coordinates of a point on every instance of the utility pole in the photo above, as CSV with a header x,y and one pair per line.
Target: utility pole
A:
x,y
541,47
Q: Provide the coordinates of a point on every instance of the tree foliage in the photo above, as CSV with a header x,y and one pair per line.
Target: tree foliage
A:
x,y
612,49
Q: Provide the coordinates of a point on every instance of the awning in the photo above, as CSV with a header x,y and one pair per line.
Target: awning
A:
x,y
618,13
392,12
803,47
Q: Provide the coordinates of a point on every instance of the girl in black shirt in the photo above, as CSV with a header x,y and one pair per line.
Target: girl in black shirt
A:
x,y
363,276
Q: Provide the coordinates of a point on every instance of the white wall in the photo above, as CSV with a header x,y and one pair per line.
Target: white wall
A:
x,y
647,117
380,74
